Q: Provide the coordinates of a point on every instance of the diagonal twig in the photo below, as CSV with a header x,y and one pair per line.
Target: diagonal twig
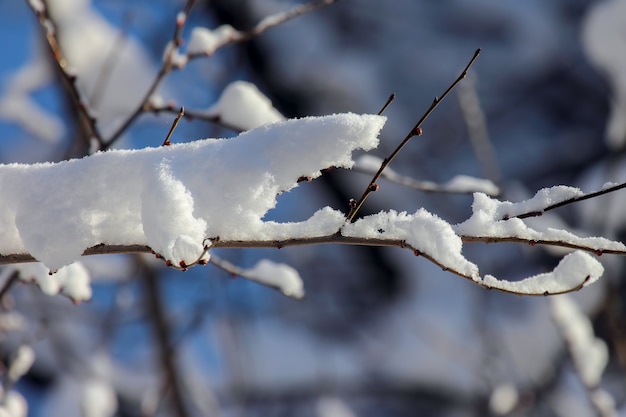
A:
x,y
69,79
166,67
415,131
572,200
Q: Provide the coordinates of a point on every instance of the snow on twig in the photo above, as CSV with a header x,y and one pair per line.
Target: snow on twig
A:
x,y
278,276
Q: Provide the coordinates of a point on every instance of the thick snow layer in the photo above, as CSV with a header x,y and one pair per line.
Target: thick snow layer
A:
x,y
422,230
172,198
243,106
493,218
576,269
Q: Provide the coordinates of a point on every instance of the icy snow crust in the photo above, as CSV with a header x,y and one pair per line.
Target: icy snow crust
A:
x,y
172,198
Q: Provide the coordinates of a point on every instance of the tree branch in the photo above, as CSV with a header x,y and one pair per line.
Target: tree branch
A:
x,y
69,80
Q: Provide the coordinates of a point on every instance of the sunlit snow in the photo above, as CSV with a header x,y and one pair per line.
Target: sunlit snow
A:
x,y
277,275
493,218
422,230
576,269
243,106
172,198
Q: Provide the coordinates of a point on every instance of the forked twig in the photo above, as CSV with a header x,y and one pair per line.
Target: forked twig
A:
x,y
415,131
166,67
169,66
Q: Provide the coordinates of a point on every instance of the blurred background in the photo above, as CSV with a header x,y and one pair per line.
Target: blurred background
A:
x,y
380,332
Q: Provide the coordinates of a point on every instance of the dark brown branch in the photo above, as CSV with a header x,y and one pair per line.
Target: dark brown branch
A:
x,y
69,80
415,131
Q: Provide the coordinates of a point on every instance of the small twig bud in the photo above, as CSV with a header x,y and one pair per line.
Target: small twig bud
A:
x,y
352,203
418,131
373,187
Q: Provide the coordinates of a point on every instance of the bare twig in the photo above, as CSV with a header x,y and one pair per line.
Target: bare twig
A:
x,y
391,98
69,79
196,115
165,69
415,131
180,115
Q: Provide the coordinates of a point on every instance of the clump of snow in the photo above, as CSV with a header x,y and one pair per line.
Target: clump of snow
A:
x,y
603,39
277,275
575,270
173,56
503,400
173,197
206,41
98,398
21,362
333,407
589,354
13,404
490,218
323,222
422,230
243,106
72,280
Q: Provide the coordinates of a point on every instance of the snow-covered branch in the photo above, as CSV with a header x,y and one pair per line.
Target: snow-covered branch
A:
x,y
181,200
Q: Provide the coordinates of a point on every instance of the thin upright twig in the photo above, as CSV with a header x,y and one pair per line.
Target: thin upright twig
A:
x,y
415,131
180,115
